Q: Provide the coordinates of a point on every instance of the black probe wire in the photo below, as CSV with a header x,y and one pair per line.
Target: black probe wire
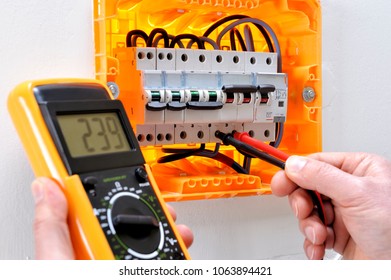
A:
x,y
228,139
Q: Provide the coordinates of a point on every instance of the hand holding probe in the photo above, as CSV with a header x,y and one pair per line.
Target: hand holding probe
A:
x,y
244,143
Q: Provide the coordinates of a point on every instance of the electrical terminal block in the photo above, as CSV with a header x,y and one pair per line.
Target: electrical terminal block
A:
x,y
179,96
165,59
193,60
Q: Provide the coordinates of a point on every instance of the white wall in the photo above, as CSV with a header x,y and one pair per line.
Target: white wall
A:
x,y
53,38
356,76
38,40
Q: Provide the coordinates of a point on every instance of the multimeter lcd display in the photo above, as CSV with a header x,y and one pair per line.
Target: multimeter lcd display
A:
x,y
93,134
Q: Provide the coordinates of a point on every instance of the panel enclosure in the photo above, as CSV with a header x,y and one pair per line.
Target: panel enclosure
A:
x,y
158,83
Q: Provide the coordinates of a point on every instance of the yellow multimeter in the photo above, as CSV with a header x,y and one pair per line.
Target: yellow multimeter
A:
x,y
74,132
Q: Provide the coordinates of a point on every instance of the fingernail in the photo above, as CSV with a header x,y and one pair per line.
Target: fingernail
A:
x,y
310,252
296,207
37,190
295,164
310,234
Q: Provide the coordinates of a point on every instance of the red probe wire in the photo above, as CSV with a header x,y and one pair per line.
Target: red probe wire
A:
x,y
246,138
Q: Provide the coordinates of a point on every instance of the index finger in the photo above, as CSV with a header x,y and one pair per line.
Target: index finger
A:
x,y
321,176
281,185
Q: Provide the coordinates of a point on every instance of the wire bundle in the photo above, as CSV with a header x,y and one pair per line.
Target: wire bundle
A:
x,y
177,154
245,41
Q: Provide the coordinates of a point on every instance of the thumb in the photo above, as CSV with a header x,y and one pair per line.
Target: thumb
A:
x,y
52,239
320,176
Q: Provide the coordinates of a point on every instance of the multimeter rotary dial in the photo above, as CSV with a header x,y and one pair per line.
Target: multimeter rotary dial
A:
x,y
135,225
130,215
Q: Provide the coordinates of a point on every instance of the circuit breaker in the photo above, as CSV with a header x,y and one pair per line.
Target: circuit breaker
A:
x,y
185,69
186,101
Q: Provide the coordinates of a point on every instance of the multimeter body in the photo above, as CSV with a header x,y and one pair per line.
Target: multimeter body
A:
x,y
74,132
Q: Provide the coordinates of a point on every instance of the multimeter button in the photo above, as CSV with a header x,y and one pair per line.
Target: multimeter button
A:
x,y
90,183
141,175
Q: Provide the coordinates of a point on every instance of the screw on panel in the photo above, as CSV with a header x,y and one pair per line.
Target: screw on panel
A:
x,y
309,94
113,87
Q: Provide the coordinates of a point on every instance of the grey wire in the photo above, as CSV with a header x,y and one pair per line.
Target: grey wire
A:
x,y
210,41
256,22
249,38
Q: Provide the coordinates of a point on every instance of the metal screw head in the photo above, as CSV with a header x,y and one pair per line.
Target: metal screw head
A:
x,y
309,94
113,87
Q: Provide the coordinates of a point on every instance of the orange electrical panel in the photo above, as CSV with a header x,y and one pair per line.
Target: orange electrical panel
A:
x,y
185,69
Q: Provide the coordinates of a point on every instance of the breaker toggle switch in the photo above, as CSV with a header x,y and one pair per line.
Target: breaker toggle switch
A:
x,y
156,100
244,92
265,91
176,100
205,100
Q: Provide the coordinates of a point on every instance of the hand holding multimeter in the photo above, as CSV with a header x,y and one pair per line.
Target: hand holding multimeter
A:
x,y
51,233
74,132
